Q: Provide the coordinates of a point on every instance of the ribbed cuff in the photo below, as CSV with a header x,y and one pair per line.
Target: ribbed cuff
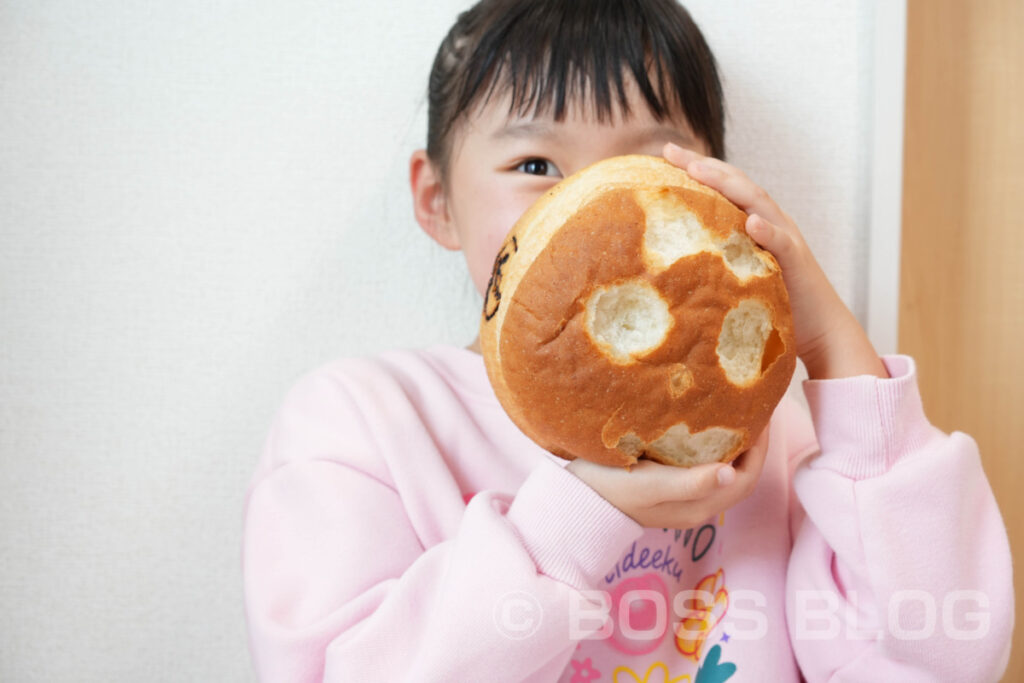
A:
x,y
866,424
573,534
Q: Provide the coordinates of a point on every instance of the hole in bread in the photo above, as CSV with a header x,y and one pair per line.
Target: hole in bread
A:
x,y
671,231
631,444
741,257
773,348
742,342
679,446
627,320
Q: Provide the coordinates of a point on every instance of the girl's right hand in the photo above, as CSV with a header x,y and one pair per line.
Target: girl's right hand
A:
x,y
667,497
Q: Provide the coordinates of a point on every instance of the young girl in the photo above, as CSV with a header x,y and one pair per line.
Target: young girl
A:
x,y
401,528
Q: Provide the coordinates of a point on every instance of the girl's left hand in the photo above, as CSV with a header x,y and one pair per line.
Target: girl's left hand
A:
x,y
829,339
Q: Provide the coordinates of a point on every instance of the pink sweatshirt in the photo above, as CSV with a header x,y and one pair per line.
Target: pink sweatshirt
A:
x,y
401,528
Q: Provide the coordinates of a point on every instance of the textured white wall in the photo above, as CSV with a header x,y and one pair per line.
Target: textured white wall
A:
x,y
199,200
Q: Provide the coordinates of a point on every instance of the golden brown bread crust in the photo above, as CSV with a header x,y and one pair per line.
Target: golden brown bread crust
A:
x,y
569,395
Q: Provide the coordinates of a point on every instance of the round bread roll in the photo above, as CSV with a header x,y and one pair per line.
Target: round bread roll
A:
x,y
629,315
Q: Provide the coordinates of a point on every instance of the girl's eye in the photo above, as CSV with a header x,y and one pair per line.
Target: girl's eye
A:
x,y
541,167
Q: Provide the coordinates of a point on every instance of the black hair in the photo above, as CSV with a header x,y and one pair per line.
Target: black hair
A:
x,y
545,53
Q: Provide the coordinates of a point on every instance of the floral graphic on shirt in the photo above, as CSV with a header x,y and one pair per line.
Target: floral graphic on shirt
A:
x,y
642,626
707,606
714,671
583,672
656,673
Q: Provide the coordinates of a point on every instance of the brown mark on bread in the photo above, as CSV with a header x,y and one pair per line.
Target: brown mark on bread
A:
x,y
492,298
680,379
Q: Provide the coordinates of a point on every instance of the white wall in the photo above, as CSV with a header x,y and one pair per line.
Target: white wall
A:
x,y
199,200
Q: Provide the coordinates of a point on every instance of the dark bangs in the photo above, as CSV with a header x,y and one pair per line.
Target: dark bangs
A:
x,y
548,54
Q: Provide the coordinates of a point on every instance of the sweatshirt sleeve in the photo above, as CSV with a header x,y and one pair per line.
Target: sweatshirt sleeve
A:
x,y
900,568
339,586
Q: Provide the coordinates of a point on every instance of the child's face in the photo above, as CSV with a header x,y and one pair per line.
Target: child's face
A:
x,y
501,164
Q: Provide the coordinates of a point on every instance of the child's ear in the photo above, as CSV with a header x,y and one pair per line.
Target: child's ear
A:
x,y
429,202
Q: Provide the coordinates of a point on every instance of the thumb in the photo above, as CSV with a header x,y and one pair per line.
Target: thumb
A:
x,y
674,484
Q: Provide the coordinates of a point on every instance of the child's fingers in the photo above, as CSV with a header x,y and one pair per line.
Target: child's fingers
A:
x,y
727,179
771,237
664,483
752,459
736,187
747,468
679,156
746,473
648,483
